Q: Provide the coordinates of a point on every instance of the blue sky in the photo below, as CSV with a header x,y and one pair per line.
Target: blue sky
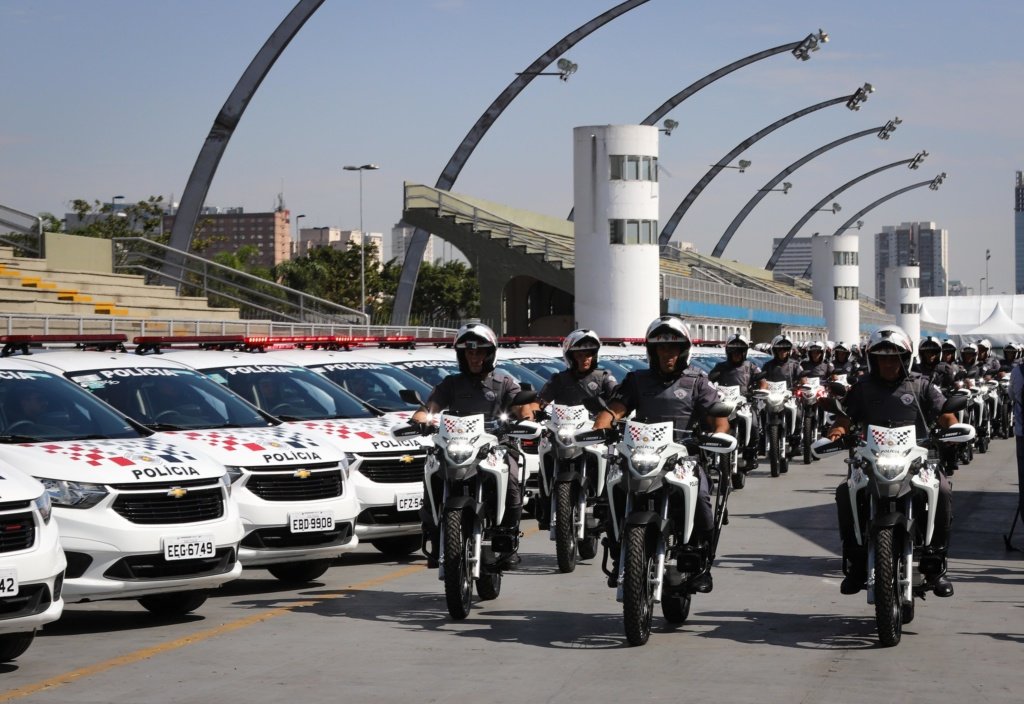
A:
x,y
115,97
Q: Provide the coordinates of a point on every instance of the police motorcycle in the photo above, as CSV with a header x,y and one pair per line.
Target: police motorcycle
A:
x,y
988,391
469,461
900,472
1002,423
575,484
965,414
655,471
977,412
741,427
839,385
780,415
808,395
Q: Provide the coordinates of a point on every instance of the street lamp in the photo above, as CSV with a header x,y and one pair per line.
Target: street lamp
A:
x,y
362,233
860,96
742,166
113,203
668,126
834,209
981,288
889,128
786,185
809,44
565,69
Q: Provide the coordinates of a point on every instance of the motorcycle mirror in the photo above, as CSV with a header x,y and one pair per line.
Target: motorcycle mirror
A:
x,y
955,404
718,409
595,404
526,395
410,396
837,390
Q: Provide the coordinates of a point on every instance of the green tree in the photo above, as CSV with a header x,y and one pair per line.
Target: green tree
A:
x,y
144,218
445,293
334,275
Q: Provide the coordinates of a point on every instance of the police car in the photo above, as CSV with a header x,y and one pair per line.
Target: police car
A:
x,y
290,487
386,474
139,516
31,560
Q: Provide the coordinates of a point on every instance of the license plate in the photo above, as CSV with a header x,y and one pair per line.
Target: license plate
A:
x,y
8,582
310,521
189,547
409,502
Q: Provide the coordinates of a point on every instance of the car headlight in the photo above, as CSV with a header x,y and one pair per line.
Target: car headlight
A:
x,y
74,494
45,507
459,452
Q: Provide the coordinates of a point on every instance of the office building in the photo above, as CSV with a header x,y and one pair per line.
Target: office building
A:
x,y
795,259
311,237
1018,234
227,229
401,236
913,243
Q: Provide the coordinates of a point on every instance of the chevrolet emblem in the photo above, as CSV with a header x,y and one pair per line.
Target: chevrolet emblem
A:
x,y
177,492
302,474
406,459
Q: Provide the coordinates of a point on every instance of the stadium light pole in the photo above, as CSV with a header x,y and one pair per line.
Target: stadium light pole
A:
x,y
297,231
362,234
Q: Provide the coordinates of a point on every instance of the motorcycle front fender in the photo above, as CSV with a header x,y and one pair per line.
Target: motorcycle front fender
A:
x,y
569,475
461,503
602,467
643,518
889,520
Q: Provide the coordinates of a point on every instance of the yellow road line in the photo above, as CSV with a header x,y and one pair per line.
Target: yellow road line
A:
x,y
146,653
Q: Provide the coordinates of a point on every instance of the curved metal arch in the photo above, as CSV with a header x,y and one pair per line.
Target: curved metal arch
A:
x,y
225,123
777,254
846,225
723,242
418,242
707,80
677,215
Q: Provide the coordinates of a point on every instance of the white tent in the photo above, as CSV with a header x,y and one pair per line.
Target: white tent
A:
x,y
998,327
968,318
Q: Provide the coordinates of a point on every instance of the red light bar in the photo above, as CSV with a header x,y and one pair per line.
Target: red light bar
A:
x,y
154,343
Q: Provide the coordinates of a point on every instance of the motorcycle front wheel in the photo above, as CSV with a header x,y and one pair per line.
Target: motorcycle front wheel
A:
x,y
637,592
489,585
566,515
774,451
808,437
888,600
458,575
737,477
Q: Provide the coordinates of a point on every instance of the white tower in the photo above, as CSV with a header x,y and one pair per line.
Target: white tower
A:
x,y
903,299
837,284
615,188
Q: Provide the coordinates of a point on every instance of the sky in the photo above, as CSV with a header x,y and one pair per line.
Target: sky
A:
x,y
116,97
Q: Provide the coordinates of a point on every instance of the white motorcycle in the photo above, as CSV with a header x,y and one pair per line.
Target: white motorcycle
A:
x,y
779,422
809,394
741,427
656,560
1003,421
472,471
899,522
574,483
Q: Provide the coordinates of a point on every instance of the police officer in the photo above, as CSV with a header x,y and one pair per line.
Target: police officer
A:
x,y
942,374
1011,351
477,388
782,367
843,363
671,390
949,354
815,364
737,370
891,395
970,368
989,363
580,381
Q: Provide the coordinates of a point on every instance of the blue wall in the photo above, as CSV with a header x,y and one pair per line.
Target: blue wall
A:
x,y
715,310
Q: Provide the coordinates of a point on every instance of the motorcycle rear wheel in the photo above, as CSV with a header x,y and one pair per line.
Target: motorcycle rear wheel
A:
x,y
566,510
888,600
736,476
638,595
458,579
675,608
489,585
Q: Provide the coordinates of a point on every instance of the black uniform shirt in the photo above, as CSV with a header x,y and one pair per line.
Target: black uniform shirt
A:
x,y
728,374
822,370
466,394
942,374
873,401
568,389
788,371
656,400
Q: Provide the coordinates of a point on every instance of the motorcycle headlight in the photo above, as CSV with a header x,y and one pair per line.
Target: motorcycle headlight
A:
x,y
45,507
646,462
566,435
889,467
459,452
74,494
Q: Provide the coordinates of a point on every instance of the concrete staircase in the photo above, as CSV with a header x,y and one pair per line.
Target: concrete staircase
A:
x,y
31,286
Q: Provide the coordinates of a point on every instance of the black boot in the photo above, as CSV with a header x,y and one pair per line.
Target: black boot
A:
x,y
431,537
855,568
506,540
939,582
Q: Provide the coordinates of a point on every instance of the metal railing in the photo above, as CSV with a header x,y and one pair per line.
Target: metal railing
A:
x,y
223,286
554,248
26,239
684,288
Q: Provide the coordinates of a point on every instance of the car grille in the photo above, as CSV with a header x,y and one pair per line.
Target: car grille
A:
x,y
388,467
270,538
31,599
151,508
387,516
289,487
154,566
17,531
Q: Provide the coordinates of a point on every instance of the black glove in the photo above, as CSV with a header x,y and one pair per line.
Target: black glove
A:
x,y
421,427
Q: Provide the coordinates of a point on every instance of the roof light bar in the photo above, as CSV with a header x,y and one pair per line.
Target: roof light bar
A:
x,y
13,344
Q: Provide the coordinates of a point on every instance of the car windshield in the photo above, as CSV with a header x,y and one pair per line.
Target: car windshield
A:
x,y
290,392
706,362
430,372
633,364
37,406
618,370
170,399
522,374
376,383
544,367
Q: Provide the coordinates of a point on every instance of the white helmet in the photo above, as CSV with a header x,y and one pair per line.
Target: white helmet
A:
x,y
889,340
781,342
929,343
1013,349
984,342
737,342
475,336
579,341
667,329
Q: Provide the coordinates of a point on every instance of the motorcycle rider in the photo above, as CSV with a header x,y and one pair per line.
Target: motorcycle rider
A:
x,y
581,380
737,370
782,367
1010,354
949,354
843,363
816,364
477,388
988,362
942,374
891,395
671,390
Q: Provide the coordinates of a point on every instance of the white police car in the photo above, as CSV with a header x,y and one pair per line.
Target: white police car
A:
x,y
31,561
290,487
139,516
387,474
